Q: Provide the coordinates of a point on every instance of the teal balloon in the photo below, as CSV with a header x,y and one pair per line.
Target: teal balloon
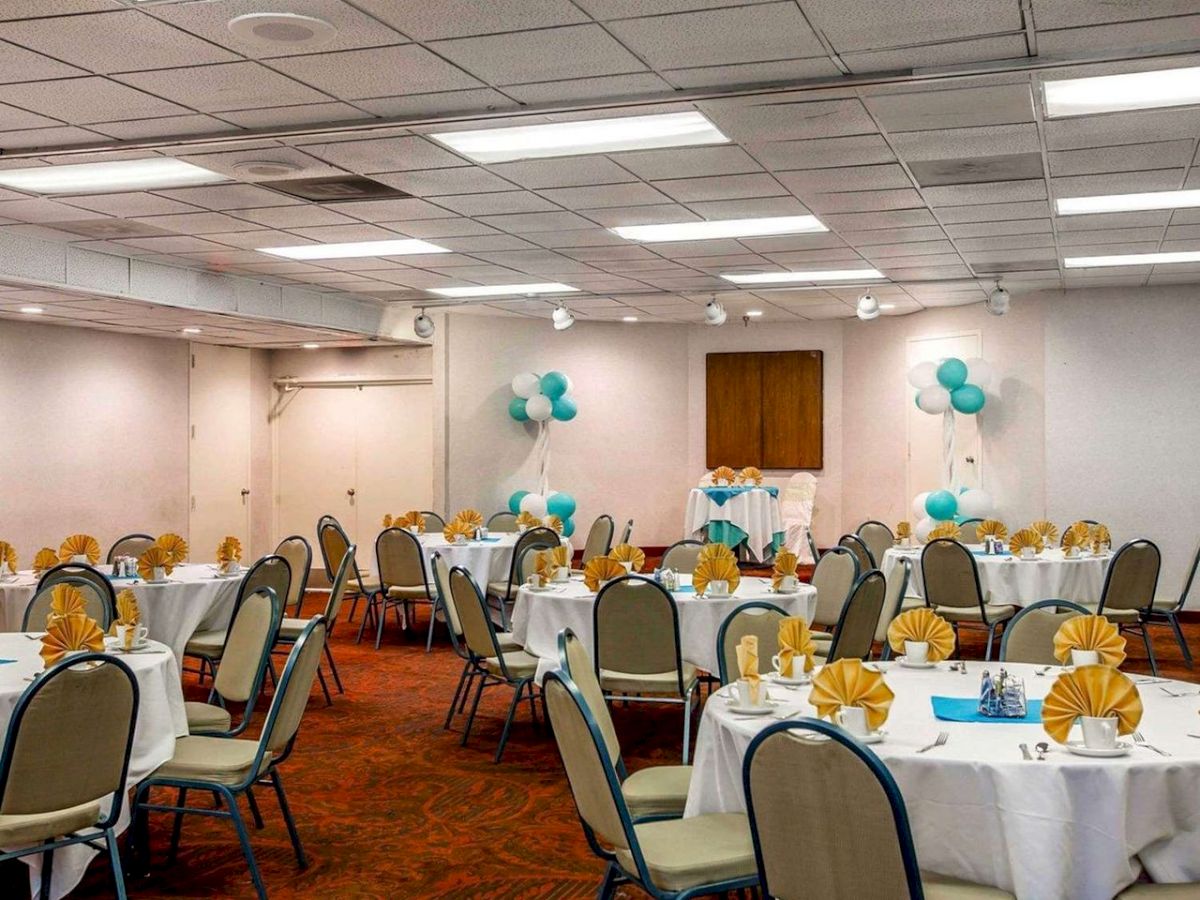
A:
x,y
941,506
554,384
968,399
564,409
514,502
516,409
952,373
568,527
561,504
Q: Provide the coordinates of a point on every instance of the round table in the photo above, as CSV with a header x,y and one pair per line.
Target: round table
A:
x,y
737,514
1066,827
486,560
160,719
1009,581
538,617
193,598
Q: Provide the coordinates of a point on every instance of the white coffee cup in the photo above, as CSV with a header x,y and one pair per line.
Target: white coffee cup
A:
x,y
414,529
788,584
916,652
1071,553
79,559
1085,657
460,539
158,573
534,580
627,565
854,720
562,573
481,533
745,699
522,528
798,665
1099,733
718,587
1028,553
130,635
722,482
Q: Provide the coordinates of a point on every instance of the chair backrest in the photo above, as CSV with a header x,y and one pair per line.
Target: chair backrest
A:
x,y
576,662
69,738
471,609
528,563
539,538
626,533
64,571
291,694
98,603
400,560
859,619
440,570
298,553
968,531
893,601
878,538
1063,537
130,545
833,577
247,651
337,592
1191,577
1029,635
272,572
950,574
599,539
756,618
332,540
503,521
433,521
858,547
1132,576
682,556
636,626
812,547
855,822
796,503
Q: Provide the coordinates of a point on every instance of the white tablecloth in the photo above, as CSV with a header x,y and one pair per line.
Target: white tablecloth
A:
x,y
486,560
1007,580
1068,827
755,512
538,617
161,718
194,598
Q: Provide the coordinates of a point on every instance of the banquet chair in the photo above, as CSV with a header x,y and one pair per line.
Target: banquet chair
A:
x,y
66,752
858,547
505,592
1166,610
298,553
1064,531
895,601
968,532
952,588
856,824
669,859
626,533
244,661
812,548
98,602
64,571
130,545
796,504
403,580
757,618
682,556
502,522
291,628
333,541
433,521
877,537
1029,636
599,539
833,577
229,767
655,792
636,627
1129,587
492,665
860,617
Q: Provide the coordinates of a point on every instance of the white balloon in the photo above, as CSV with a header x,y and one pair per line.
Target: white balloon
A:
x,y
570,384
526,385
534,504
922,375
918,507
979,371
538,407
923,528
974,504
934,400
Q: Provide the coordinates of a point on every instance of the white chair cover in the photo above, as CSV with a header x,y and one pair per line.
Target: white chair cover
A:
x,y
796,508
705,479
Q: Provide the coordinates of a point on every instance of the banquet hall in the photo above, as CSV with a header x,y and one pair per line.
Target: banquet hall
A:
x,y
568,448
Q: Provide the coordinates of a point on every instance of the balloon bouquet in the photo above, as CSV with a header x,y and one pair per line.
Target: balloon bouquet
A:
x,y
944,388
540,398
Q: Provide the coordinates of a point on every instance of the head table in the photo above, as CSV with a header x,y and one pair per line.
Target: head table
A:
x,y
538,617
735,515
160,719
1065,827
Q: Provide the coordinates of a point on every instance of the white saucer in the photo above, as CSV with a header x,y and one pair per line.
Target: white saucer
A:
x,y
763,710
1079,749
157,580
903,660
114,643
790,682
539,590
875,737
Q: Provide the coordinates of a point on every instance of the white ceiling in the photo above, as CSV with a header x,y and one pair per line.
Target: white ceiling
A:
x,y
861,156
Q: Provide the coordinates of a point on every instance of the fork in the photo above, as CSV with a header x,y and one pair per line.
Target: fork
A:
x,y
1170,693
1138,739
941,739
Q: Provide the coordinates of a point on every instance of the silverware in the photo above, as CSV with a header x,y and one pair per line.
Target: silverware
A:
x,y
1138,739
1042,670
1025,752
1041,747
1170,693
1190,734
35,637
941,739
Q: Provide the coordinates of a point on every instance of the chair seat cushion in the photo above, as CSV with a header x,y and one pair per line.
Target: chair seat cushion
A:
x,y
498,588
518,663
1162,604
507,642
217,760
943,887
972,614
291,629
19,830
657,791
647,683
821,635
685,853
912,603
408,592
1122,616
206,643
206,718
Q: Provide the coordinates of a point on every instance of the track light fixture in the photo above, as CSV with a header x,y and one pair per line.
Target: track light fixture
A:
x,y
563,317
423,325
714,313
998,300
868,307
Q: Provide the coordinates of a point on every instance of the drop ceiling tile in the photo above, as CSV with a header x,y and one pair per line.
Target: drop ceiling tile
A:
x,y
178,244
916,248
953,143
337,234
601,196
1112,235
662,214
1074,13
995,192
19,64
226,162
24,9
934,110
564,172
497,203
437,103
727,187
824,311
163,126
199,223
871,24
834,257
1005,242
456,18
253,240
862,201
953,300
845,178
1002,227
787,242
937,55
40,210
635,84
989,212
1180,233
823,153
228,86
430,229
1148,218
392,154
788,70
584,237
931,273
84,100
895,218
48,137
770,119
1145,33
1129,158
688,162
284,116
531,223
1114,129
397,210
977,169
753,208
686,249
1117,183
441,182
375,72
228,196
13,119
573,51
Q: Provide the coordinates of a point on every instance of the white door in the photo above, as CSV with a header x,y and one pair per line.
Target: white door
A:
x,y
219,409
925,437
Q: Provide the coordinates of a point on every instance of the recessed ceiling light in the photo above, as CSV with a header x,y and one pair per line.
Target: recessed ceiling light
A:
x,y
628,318
192,330
265,168
108,177
282,30
504,290
1074,206
728,228
310,346
790,277
356,248
1131,259
32,310
754,313
494,145
1114,93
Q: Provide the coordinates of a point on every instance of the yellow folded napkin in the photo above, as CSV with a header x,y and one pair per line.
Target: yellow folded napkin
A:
x,y
176,547
922,624
848,683
457,527
795,640
1079,532
8,557
750,475
1090,633
45,559
127,611
785,564
1091,691
229,550
388,520
73,632
992,528
409,519
600,569
154,558
945,530
903,529
1099,536
554,522
528,519
715,550
1047,529
629,553
715,569
747,657
79,545
723,473
66,600
548,562
471,516
1026,537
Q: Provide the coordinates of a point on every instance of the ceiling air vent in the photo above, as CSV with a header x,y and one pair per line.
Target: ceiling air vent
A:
x,y
335,189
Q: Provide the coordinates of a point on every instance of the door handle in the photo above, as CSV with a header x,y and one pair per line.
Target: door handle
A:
x,y
245,492
350,493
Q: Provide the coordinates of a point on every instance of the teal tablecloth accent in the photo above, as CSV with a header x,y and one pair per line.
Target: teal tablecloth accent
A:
x,y
719,495
982,553
731,536
684,589
966,709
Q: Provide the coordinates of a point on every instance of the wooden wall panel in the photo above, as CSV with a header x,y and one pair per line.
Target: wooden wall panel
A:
x,y
792,410
733,383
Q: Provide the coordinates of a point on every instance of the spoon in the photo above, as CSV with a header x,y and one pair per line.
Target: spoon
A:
x,y
1041,747
1042,671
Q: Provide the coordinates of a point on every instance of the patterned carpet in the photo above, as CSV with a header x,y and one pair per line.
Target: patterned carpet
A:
x,y
390,806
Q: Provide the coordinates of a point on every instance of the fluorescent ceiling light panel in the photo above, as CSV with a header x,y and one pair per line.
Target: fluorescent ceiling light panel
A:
x,y
1114,93
727,228
1075,206
504,290
790,277
357,248
108,177
1131,259
580,138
